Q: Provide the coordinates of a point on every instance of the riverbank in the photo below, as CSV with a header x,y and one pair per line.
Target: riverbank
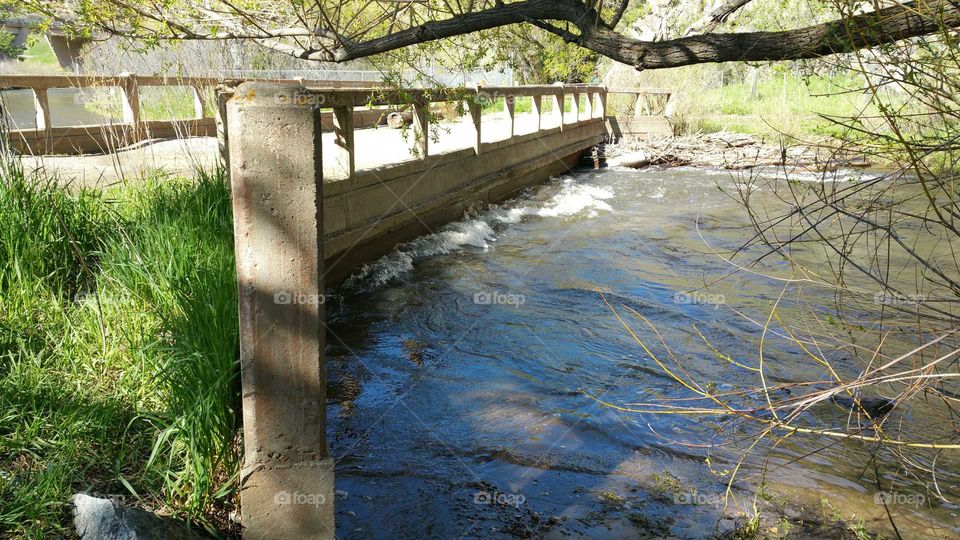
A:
x,y
732,151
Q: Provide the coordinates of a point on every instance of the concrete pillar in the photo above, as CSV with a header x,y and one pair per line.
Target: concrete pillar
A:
x,y
602,104
575,107
476,113
68,50
20,36
344,152
587,104
421,129
509,106
276,175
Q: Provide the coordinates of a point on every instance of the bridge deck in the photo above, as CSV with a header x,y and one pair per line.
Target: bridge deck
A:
x,y
376,147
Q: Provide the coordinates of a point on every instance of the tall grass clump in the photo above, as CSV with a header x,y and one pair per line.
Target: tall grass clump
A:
x,y
118,349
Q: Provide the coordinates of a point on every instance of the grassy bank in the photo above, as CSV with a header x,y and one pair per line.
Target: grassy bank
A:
x,y
118,349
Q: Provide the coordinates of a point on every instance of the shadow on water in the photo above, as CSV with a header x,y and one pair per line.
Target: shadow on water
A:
x,y
461,368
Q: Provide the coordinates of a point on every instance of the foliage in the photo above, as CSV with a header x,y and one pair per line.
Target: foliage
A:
x,y
118,348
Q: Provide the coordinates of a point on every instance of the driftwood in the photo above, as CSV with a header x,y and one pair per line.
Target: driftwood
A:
x,y
733,151
399,119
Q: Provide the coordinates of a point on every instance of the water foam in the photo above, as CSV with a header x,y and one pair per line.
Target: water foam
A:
x,y
479,231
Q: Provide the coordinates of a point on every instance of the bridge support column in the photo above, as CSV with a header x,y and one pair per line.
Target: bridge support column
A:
x,y
68,50
277,186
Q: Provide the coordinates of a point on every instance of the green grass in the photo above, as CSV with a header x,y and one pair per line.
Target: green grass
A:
x,y
40,56
118,348
783,104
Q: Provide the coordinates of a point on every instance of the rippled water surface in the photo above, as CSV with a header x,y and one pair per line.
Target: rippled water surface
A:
x,y
462,368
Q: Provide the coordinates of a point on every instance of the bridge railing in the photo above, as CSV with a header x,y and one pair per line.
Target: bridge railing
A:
x,y
42,135
639,112
421,101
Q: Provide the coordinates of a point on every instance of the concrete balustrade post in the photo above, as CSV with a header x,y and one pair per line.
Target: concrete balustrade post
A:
x,y
575,107
476,115
587,104
223,145
602,103
557,112
42,104
131,106
509,106
421,129
538,111
345,151
276,173
199,104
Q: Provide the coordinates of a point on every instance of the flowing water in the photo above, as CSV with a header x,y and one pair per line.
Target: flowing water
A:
x,y
470,371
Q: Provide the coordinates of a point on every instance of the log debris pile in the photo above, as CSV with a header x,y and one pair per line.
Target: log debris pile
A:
x,y
734,151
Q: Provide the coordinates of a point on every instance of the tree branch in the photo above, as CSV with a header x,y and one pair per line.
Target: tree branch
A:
x,y
901,21
715,18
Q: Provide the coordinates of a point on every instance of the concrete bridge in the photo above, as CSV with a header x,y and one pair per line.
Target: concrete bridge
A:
x,y
66,47
318,189
297,233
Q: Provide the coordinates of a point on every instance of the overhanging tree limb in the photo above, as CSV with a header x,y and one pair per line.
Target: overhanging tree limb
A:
x,y
901,21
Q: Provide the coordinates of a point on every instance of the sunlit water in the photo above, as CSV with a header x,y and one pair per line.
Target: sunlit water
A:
x,y
462,366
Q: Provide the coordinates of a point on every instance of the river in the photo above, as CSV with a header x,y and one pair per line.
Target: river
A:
x,y
463,369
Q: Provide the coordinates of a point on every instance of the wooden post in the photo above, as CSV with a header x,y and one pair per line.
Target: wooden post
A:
x,y
276,174
538,110
476,114
344,152
421,129
509,106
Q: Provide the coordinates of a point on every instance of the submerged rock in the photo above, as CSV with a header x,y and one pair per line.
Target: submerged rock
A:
x,y
875,407
104,519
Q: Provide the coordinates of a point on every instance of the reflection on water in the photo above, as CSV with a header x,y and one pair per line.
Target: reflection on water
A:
x,y
460,366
